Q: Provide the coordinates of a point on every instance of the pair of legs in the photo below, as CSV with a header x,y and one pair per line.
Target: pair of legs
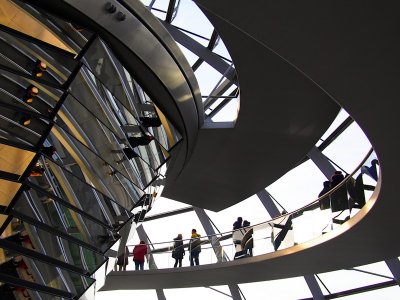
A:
x,y
194,258
178,261
121,267
139,265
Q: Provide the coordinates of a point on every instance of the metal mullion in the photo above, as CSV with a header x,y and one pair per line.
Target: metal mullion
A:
x,y
67,204
221,105
169,213
34,286
69,172
170,11
17,145
25,110
9,176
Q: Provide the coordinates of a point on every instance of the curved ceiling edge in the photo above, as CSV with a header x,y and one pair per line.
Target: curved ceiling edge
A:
x,y
155,26
142,54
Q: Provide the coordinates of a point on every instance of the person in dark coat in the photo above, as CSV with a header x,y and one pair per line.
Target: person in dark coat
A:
x,y
178,252
150,121
122,260
143,140
325,203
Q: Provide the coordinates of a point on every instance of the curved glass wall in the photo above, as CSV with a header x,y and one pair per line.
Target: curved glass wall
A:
x,y
83,152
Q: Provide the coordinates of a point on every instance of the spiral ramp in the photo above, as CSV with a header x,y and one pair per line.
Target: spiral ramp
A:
x,y
301,64
350,52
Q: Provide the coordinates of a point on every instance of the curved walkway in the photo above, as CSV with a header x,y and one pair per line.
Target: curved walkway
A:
x,y
352,54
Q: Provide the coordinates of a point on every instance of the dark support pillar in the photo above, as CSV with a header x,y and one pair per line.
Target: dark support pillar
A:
x,y
273,211
322,162
268,203
235,293
394,267
314,287
205,222
152,264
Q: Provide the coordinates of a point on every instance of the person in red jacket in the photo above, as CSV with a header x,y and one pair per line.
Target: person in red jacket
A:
x,y
139,254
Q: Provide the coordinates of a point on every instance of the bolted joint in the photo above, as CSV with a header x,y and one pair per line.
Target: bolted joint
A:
x,y
111,8
121,16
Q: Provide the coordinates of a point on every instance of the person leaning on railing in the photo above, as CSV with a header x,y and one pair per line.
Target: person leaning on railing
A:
x,y
139,254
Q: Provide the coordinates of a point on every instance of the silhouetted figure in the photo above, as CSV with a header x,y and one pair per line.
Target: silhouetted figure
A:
x,y
129,154
49,151
336,178
324,203
150,121
144,140
195,248
371,171
178,252
139,254
327,188
338,198
238,223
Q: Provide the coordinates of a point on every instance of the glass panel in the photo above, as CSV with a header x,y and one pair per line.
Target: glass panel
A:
x,y
191,18
22,94
350,279
207,77
28,22
345,150
285,289
8,189
19,266
307,187
91,164
58,63
99,136
44,209
81,195
214,293
22,125
30,237
104,66
14,160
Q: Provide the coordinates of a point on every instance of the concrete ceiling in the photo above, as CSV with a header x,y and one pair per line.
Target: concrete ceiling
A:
x,y
282,115
352,50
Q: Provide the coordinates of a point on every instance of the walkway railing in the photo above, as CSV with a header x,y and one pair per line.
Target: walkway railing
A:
x,y
323,215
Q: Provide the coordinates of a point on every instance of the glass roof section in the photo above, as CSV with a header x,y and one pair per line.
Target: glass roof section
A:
x,y
189,19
